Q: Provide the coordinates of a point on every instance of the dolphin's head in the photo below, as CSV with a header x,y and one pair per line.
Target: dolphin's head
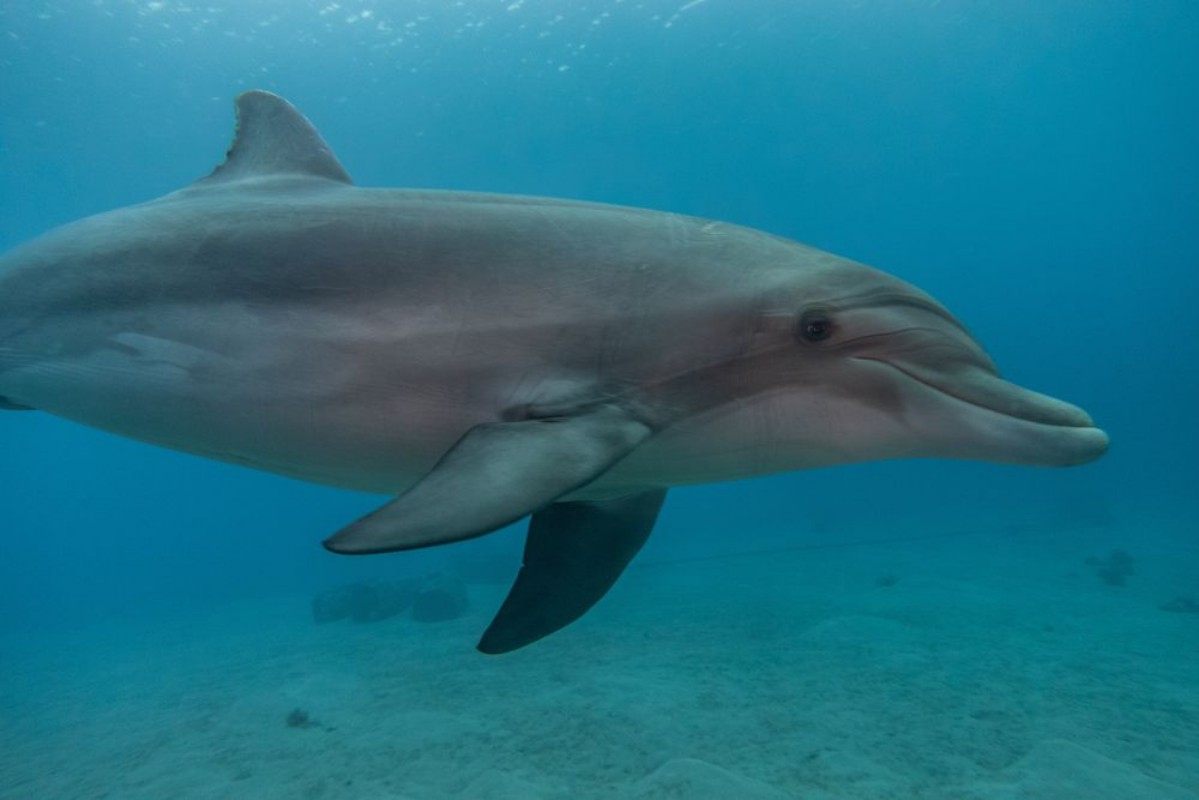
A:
x,y
881,369
852,364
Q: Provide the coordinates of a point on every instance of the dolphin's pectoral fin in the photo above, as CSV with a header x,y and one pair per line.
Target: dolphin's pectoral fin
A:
x,y
496,474
9,405
574,553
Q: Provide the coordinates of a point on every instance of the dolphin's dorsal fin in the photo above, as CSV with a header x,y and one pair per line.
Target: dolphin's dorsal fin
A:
x,y
274,138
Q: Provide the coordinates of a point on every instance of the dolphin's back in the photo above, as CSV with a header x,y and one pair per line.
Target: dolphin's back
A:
x,y
283,240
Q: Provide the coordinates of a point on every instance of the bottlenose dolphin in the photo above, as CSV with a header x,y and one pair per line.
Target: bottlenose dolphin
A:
x,y
487,357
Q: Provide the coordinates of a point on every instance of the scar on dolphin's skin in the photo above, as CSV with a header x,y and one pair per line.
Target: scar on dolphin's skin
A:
x,y
483,358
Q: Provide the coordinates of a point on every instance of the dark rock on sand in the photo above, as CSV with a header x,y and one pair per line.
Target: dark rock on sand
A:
x,y
363,602
334,604
298,718
439,597
383,599
1114,568
1181,605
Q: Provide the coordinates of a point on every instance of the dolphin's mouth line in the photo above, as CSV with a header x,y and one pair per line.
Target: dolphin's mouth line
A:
x,y
1041,415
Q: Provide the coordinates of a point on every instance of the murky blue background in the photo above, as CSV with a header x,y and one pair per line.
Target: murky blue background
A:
x,y
1033,165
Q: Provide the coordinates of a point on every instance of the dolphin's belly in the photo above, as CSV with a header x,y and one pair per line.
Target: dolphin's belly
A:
x,y
335,400
357,438
371,410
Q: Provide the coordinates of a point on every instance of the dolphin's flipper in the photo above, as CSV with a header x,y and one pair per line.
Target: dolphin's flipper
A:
x,y
574,553
496,474
9,405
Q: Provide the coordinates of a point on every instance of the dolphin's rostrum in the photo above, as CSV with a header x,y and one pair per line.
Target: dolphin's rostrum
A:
x,y
488,357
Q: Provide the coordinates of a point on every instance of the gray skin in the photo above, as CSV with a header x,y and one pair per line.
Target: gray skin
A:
x,y
486,357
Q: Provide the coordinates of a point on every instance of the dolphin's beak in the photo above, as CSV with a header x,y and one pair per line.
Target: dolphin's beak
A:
x,y
980,385
958,403
954,398
998,420
1063,433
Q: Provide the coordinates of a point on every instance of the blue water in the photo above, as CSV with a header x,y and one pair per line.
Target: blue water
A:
x,y
1033,165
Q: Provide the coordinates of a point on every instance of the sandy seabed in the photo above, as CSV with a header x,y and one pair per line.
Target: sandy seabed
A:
x,y
993,667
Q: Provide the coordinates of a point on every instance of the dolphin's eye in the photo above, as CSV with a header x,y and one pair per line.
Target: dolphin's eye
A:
x,y
815,326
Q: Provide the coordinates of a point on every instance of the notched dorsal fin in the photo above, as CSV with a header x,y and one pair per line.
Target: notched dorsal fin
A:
x,y
274,138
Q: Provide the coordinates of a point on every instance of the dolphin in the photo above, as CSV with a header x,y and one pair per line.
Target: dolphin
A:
x,y
484,357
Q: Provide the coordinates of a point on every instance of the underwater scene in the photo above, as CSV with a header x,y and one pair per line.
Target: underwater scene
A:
x,y
330,454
